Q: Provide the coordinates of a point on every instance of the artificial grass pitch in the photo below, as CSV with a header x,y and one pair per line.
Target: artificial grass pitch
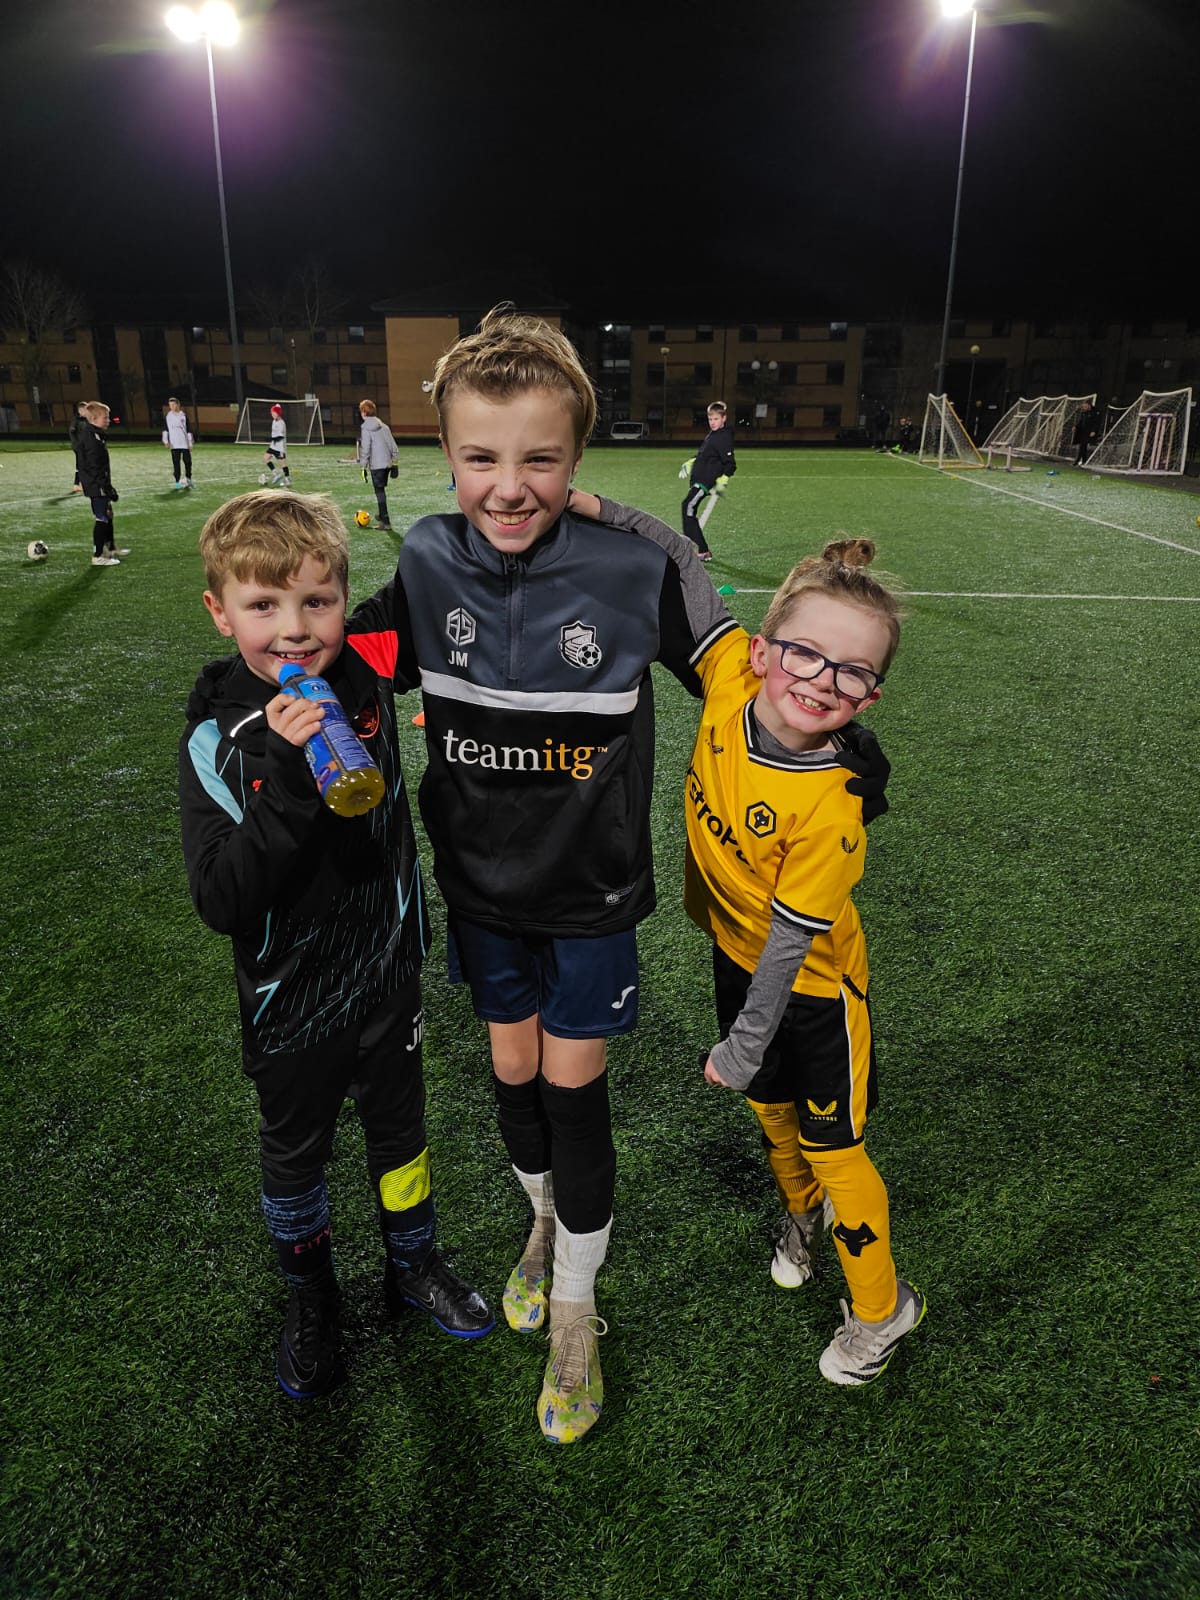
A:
x,y
1032,923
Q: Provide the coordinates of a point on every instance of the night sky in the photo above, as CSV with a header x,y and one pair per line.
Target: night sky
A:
x,y
773,157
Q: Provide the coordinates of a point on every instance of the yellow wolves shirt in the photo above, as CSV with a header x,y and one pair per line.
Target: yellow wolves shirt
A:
x,y
770,835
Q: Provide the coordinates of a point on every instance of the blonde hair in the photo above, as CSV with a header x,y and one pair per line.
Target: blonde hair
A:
x,y
510,354
366,408
841,572
96,408
265,535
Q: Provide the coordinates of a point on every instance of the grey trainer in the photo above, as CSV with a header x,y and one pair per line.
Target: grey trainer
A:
x,y
859,1351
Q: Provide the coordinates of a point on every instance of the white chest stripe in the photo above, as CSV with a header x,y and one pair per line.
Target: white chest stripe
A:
x,y
443,687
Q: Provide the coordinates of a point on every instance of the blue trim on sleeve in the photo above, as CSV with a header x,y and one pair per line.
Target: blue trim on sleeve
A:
x,y
202,747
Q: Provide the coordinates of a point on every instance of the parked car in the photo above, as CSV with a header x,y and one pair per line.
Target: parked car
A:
x,y
629,430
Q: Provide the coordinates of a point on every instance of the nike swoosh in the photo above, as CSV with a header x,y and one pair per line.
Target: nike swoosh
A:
x,y
617,1004
425,1301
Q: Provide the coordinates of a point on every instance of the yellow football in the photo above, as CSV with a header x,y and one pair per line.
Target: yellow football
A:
x,y
363,518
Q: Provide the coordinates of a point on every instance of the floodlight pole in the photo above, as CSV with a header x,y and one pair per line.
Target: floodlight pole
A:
x,y
233,327
940,380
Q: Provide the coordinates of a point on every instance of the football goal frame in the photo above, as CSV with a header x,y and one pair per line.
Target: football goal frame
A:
x,y
1150,439
1040,429
303,419
945,443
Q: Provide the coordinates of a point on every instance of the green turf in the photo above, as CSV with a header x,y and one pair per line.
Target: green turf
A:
x,y
1032,921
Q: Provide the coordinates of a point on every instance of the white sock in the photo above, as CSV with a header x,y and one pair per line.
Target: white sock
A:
x,y
578,1257
539,1186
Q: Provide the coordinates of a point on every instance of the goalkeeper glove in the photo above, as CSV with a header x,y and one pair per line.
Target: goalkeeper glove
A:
x,y
685,471
365,478
865,759
721,484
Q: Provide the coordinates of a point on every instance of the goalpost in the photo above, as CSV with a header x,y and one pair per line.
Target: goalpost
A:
x,y
1043,429
303,418
944,440
1151,437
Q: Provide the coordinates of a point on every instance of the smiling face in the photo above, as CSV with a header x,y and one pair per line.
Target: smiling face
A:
x,y
802,713
512,462
303,621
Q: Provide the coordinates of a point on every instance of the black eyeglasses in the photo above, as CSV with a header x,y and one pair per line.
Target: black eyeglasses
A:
x,y
799,661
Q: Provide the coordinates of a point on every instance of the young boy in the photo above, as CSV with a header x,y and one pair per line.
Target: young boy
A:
x,y
178,439
531,633
713,463
327,916
377,452
95,476
772,891
275,455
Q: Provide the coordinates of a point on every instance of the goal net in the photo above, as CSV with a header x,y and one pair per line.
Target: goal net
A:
x,y
944,440
303,418
1039,430
1151,437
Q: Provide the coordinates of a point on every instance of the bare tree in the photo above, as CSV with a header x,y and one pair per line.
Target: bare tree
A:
x,y
37,304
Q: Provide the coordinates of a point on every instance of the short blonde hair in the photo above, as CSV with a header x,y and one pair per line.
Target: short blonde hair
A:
x,y
366,408
96,408
265,535
841,572
510,354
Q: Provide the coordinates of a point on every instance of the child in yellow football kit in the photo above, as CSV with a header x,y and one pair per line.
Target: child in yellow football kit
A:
x,y
775,847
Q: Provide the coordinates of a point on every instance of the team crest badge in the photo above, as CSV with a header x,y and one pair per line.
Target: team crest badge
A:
x,y
577,642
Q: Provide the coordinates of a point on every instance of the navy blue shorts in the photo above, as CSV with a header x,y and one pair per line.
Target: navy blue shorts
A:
x,y
580,988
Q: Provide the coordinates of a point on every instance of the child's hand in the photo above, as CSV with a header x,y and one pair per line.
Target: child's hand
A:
x,y
294,719
711,1075
864,757
582,504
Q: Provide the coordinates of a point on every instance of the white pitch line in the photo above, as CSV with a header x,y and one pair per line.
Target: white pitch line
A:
x,y
997,594
1097,522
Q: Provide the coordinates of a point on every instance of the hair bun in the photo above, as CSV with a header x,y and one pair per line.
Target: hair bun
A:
x,y
850,552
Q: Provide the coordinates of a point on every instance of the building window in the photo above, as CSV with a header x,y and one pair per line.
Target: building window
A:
x,y
200,372
6,374
1042,330
785,416
279,374
320,336
320,372
702,374
835,372
704,333
748,333
70,335
790,331
838,330
356,334
199,335
831,416
1001,328
657,333
788,372
745,372
358,376
73,373
656,372
699,419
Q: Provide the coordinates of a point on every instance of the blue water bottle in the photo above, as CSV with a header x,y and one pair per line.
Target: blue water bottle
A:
x,y
349,781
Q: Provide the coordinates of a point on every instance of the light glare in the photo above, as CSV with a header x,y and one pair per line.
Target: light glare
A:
x,y
216,22
957,8
183,24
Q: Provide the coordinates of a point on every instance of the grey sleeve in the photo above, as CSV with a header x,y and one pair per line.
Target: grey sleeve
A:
x,y
739,1057
707,614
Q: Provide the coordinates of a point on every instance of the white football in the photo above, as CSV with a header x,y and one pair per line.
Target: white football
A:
x,y
37,550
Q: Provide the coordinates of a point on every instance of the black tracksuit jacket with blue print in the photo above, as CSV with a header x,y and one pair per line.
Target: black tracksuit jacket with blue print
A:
x,y
326,913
